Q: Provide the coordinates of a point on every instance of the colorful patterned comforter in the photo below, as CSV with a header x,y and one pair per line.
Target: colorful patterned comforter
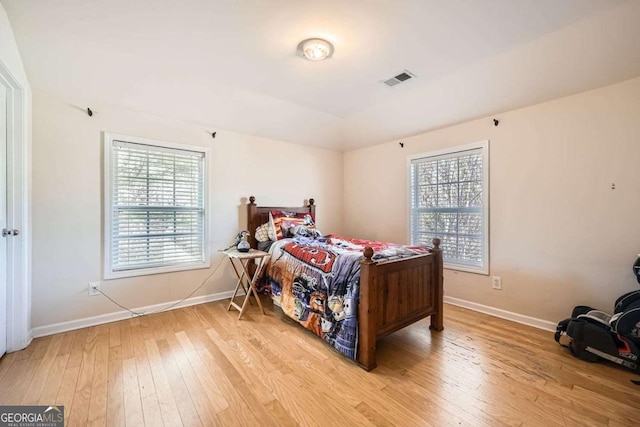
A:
x,y
316,283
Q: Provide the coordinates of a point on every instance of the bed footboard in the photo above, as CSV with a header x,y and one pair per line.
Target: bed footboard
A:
x,y
395,294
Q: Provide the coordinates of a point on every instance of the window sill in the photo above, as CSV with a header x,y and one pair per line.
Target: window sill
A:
x,y
156,270
466,269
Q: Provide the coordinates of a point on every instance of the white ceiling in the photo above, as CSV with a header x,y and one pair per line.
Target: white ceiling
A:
x,y
232,64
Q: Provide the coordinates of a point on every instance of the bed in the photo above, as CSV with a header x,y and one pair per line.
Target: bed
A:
x,y
392,293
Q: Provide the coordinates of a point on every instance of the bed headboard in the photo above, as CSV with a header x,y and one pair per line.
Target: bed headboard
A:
x,y
258,215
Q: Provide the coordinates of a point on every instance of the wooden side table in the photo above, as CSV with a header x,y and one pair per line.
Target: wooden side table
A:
x,y
240,262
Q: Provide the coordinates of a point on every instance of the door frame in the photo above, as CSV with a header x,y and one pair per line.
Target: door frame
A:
x,y
18,211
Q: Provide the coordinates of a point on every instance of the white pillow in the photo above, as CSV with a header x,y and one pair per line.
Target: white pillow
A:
x,y
264,233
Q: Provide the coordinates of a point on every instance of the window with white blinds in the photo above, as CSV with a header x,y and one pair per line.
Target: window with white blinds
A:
x,y
155,202
449,194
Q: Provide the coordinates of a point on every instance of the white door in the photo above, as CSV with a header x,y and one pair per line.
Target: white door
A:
x,y
3,219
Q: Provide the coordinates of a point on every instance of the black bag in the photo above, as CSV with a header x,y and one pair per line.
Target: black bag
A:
x,y
594,335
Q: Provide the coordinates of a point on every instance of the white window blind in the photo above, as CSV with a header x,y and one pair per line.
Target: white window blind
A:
x,y
448,200
157,207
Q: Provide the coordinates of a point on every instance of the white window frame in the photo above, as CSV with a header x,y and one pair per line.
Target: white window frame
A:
x,y
108,273
484,146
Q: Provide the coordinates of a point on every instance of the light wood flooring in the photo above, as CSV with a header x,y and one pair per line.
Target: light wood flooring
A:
x,y
201,366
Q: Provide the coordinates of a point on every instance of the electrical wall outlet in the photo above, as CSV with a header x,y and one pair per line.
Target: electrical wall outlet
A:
x,y
94,287
496,282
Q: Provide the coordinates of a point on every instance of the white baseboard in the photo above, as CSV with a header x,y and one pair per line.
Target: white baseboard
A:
x,y
70,325
503,314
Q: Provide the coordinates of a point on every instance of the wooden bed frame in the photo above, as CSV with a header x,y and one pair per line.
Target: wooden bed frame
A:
x,y
393,294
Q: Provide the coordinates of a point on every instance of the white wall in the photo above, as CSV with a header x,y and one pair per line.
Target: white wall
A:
x,y
9,55
560,236
67,202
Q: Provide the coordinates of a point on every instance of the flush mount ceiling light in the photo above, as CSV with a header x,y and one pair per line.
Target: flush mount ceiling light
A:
x,y
315,49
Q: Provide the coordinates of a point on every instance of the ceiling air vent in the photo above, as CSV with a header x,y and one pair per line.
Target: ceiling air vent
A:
x,y
396,80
